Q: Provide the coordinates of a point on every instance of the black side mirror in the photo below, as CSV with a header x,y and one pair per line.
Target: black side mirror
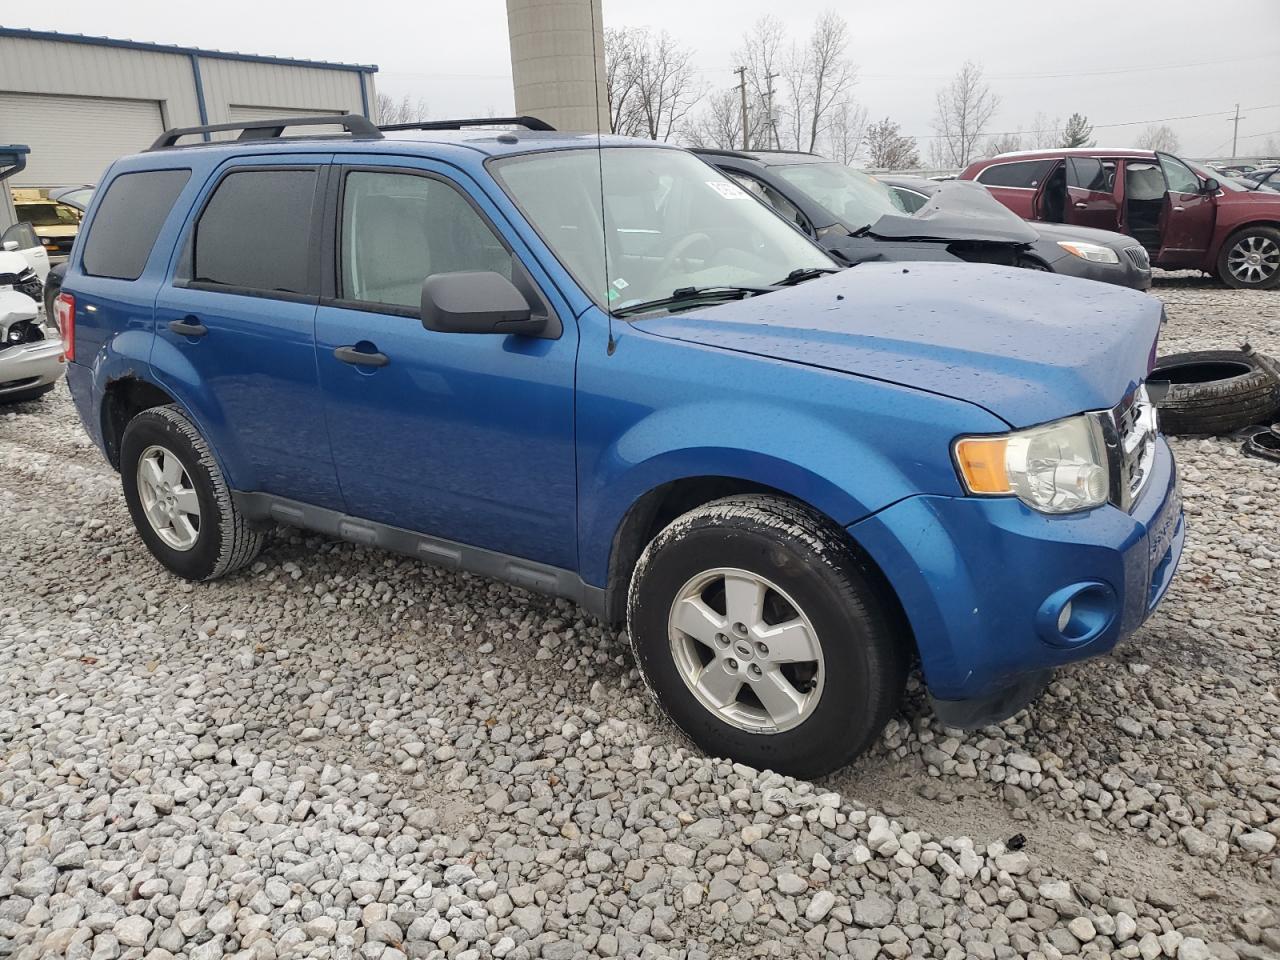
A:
x,y
477,301
1210,186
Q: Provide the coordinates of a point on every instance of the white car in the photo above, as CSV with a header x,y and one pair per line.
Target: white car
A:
x,y
21,239
30,360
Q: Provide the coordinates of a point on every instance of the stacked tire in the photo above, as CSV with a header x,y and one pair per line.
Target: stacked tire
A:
x,y
1214,392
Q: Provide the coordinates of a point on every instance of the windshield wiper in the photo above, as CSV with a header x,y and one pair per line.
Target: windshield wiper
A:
x,y
806,273
692,296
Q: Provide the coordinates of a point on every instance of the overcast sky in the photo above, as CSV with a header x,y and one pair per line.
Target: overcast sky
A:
x,y
1117,62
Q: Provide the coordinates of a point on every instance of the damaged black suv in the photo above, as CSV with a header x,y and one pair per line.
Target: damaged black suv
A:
x,y
858,217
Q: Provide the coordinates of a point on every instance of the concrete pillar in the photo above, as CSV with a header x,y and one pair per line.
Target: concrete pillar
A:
x,y
557,68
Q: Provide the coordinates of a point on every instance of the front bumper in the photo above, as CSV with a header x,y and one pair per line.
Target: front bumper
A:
x,y
30,365
976,575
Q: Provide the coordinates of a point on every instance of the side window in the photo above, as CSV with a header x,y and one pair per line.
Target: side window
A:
x,y
908,200
399,228
128,221
785,208
1178,175
1090,173
1026,174
255,232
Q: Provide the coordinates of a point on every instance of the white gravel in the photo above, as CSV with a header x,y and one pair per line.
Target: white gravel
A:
x,y
340,753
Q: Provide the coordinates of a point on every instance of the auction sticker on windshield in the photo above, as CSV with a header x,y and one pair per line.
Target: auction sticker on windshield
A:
x,y
730,191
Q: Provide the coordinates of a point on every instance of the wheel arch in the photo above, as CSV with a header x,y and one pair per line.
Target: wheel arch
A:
x,y
123,399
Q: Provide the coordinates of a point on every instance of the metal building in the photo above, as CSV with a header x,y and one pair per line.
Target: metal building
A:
x,y
80,102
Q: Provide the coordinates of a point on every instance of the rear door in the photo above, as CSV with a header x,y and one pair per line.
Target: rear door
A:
x,y
236,326
465,437
1091,193
1186,222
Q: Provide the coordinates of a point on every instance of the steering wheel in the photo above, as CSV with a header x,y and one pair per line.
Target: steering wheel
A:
x,y
679,250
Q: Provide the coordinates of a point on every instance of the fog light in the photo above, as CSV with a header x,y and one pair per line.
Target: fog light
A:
x,y
1064,617
1076,615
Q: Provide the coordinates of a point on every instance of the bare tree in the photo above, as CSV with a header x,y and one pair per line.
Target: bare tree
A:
x,y
1044,132
1272,147
761,53
1003,143
1159,137
847,131
718,123
650,82
888,149
388,110
964,108
818,78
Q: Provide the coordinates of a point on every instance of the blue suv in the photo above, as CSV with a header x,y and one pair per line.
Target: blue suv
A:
x,y
601,370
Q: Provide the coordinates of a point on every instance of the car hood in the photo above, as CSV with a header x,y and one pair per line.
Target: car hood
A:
x,y
1025,345
959,210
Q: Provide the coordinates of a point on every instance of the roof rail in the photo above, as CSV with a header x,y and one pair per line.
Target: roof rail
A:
x,y
529,123
354,124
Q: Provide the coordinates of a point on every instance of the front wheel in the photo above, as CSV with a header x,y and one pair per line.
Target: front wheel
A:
x,y
1250,259
764,638
179,500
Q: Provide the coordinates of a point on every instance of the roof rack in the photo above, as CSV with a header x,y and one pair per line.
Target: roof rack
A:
x,y
359,127
529,123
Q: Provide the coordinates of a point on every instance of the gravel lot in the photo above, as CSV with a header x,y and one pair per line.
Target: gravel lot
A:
x,y
346,754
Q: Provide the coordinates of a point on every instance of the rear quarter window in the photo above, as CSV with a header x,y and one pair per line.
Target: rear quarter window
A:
x,y
128,220
1018,173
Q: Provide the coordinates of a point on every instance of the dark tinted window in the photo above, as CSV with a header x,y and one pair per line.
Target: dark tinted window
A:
x,y
398,229
128,219
1019,173
1090,173
255,232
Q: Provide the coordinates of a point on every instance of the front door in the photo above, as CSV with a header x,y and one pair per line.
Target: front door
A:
x,y
466,437
1091,193
240,313
1186,222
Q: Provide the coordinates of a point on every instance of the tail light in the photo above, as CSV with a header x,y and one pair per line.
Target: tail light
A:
x,y
65,308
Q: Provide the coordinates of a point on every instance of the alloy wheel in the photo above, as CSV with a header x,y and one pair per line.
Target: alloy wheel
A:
x,y
746,650
1254,259
168,497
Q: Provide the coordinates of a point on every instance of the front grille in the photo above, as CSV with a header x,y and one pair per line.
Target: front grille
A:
x,y
1134,419
1139,257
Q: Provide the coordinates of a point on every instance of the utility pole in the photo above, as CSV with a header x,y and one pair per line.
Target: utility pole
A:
x,y
773,127
742,89
1235,131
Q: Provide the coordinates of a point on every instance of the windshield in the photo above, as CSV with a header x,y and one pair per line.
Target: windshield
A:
x,y
671,222
77,198
1224,181
47,214
854,197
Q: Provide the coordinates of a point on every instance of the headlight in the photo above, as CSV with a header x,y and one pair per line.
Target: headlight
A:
x,y
1060,467
1093,252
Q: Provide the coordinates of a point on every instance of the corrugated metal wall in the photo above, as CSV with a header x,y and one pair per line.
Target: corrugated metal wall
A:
x,y
141,77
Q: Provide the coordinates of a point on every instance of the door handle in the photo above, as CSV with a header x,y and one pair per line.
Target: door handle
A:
x,y
1081,206
188,327
360,358
1179,209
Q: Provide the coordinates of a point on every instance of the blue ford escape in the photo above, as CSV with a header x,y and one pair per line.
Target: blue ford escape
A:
x,y
606,372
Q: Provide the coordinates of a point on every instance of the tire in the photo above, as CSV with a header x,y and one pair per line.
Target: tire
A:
x,y
1214,392
814,581
223,540
1237,266
26,396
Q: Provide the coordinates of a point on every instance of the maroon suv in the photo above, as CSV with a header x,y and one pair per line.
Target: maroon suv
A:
x,y
1183,215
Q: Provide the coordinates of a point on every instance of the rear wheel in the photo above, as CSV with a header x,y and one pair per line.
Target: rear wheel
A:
x,y
764,638
179,500
1250,259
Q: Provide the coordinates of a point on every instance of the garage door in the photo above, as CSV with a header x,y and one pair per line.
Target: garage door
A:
x,y
74,139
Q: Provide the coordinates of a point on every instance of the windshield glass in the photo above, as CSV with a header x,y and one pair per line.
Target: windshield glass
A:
x,y
1224,181
854,197
47,214
77,198
670,222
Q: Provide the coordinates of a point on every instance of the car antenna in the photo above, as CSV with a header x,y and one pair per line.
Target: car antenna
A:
x,y
604,227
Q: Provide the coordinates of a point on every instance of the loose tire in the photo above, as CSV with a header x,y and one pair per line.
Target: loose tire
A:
x,y
25,396
1250,259
764,638
1214,392
179,500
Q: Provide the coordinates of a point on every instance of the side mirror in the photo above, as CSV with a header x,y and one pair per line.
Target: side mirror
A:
x,y
1210,186
476,301
11,245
